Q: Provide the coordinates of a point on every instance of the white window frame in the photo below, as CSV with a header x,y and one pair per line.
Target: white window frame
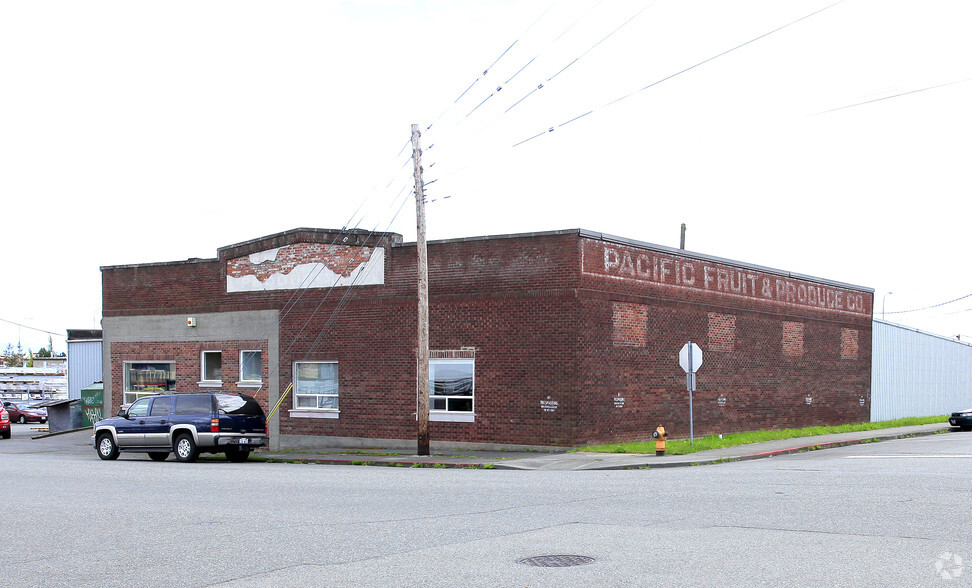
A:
x,y
203,382
310,412
128,394
452,416
243,382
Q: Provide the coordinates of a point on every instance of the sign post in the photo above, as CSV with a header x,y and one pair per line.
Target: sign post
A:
x,y
690,358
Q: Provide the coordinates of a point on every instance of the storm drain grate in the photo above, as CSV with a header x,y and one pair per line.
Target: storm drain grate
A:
x,y
557,561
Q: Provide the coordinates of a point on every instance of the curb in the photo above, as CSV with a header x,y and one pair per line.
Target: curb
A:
x,y
834,444
398,463
798,449
56,433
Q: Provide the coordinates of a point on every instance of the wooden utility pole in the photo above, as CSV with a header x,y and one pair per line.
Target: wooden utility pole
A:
x,y
422,377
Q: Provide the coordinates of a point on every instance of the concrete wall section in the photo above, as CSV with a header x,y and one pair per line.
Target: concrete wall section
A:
x,y
168,338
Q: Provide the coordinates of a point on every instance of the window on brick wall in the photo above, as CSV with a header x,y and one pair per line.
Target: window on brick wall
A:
x,y
143,378
251,363
452,386
316,386
722,332
792,339
212,368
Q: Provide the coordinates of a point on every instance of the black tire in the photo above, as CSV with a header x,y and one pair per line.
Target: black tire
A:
x,y
107,448
43,421
5,434
237,455
185,448
966,428
158,455
22,419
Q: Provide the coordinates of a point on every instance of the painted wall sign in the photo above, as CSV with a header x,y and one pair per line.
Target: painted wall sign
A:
x,y
306,265
549,405
645,266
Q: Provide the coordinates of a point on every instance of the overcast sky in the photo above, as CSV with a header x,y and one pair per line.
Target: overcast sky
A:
x,y
837,146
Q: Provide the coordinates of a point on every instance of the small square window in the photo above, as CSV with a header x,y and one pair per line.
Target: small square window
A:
x,y
212,367
250,366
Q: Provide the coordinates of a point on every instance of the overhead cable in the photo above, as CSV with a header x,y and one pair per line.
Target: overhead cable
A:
x,y
680,72
491,66
940,304
900,94
540,85
33,328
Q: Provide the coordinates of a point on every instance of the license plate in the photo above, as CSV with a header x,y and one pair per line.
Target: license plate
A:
x,y
244,441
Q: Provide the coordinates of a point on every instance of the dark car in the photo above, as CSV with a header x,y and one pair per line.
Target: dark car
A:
x,y
4,423
22,414
962,419
184,424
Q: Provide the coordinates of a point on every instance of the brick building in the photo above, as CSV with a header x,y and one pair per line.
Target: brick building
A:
x,y
546,339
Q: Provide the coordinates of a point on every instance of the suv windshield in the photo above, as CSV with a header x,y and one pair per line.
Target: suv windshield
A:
x,y
238,404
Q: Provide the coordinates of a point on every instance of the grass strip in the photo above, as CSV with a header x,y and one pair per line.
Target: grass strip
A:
x,y
683,447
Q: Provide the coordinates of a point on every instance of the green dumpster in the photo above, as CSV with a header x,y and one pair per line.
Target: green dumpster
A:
x,y
92,404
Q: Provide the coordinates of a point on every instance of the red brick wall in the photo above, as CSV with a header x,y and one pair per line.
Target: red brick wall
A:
x,y
756,374
566,351
187,356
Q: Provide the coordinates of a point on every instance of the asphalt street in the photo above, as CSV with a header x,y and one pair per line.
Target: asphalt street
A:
x,y
875,514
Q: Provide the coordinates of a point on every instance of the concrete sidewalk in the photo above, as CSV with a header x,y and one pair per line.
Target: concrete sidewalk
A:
x,y
577,461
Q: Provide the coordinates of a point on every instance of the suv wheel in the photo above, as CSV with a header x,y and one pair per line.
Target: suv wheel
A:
x,y
107,449
236,455
185,448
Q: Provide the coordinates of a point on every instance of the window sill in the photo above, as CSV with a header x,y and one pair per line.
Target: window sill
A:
x,y
452,417
309,413
210,384
249,384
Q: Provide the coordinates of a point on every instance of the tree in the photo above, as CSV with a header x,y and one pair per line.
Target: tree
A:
x,y
12,357
47,351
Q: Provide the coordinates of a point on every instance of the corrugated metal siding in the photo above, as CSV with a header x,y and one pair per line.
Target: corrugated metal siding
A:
x,y
84,365
917,374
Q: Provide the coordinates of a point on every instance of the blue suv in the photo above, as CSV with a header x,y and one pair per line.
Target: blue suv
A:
x,y
184,424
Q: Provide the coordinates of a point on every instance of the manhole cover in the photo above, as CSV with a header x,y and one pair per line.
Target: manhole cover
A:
x,y
557,561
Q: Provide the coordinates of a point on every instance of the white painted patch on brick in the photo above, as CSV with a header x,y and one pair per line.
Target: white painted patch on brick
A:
x,y
268,255
368,268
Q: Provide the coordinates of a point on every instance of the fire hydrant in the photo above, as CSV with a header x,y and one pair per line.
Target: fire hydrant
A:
x,y
659,436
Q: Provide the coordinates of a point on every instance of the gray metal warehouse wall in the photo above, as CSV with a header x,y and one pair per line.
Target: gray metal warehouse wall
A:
x,y
914,373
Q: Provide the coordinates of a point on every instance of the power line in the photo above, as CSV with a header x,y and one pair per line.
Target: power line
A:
x,y
344,299
900,94
487,70
61,335
274,370
541,85
583,15
678,73
930,307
